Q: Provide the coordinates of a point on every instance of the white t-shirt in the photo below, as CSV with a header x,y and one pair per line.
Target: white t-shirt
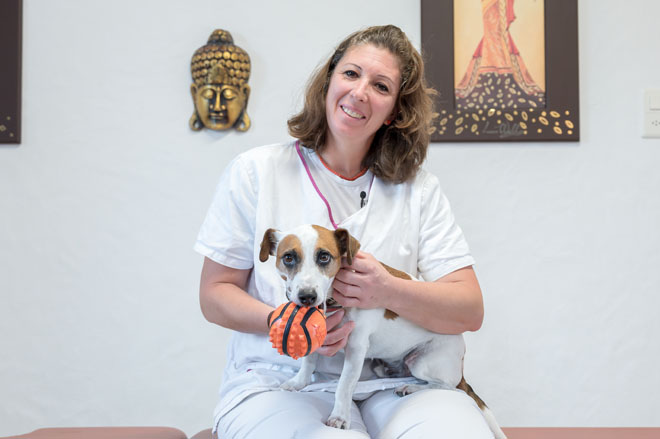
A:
x,y
407,226
344,196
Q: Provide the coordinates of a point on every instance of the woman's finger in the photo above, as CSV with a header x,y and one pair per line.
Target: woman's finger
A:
x,y
345,298
334,319
336,340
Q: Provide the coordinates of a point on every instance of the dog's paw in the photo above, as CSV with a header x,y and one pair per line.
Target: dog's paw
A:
x,y
292,385
407,389
337,422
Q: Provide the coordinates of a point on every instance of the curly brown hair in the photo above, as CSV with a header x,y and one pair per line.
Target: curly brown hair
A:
x,y
397,150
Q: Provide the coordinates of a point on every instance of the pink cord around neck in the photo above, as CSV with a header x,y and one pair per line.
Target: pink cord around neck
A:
x,y
318,191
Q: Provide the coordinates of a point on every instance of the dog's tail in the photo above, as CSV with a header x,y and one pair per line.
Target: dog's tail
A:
x,y
488,415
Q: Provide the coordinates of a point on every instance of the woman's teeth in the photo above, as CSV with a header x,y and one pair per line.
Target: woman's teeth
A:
x,y
353,114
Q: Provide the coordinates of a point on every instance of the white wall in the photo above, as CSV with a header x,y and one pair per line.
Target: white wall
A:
x,y
100,205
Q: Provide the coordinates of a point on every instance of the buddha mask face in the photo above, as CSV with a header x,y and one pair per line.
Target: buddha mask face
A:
x,y
220,92
220,106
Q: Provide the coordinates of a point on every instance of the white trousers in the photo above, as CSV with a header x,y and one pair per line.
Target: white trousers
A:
x,y
427,414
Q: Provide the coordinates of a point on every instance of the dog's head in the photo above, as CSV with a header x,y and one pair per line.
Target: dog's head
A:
x,y
308,258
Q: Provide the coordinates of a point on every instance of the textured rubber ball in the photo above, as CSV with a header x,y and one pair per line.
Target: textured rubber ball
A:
x,y
296,331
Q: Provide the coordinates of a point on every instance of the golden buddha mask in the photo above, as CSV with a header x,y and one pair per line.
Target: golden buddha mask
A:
x,y
220,72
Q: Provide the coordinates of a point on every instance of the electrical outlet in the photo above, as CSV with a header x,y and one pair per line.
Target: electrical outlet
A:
x,y
651,114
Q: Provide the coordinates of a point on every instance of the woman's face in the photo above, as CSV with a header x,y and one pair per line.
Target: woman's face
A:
x,y
362,93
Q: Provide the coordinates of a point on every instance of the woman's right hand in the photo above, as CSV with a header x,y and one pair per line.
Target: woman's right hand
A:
x,y
337,336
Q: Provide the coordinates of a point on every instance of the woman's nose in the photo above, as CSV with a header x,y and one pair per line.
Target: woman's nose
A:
x,y
360,91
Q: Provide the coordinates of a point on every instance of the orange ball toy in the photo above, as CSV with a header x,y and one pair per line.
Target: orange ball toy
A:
x,y
296,331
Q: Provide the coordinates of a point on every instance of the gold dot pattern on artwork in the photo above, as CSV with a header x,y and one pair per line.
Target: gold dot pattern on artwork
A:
x,y
3,128
467,122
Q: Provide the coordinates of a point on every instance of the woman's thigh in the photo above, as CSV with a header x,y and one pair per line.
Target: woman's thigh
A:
x,y
437,414
280,414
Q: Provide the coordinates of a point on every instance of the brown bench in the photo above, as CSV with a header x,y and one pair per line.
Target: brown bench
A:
x,y
104,433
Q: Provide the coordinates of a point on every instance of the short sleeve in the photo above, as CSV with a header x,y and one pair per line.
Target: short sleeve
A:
x,y
442,246
227,233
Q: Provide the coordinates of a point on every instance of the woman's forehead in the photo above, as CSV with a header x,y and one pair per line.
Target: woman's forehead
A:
x,y
370,56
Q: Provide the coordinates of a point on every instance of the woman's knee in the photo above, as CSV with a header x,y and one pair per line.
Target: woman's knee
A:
x,y
287,414
427,413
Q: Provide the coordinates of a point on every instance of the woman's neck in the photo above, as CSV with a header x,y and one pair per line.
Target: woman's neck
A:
x,y
344,158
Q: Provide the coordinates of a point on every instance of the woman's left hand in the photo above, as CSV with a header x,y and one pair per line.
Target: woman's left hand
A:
x,y
364,284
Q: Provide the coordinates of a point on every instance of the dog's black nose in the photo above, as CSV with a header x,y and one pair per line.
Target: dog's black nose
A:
x,y
307,296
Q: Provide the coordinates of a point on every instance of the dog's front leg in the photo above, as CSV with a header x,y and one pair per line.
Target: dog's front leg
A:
x,y
304,375
355,351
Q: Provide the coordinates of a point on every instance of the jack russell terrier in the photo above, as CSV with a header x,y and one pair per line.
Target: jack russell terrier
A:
x,y
308,258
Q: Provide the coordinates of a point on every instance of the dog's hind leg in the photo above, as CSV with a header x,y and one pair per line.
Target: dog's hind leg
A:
x,y
439,363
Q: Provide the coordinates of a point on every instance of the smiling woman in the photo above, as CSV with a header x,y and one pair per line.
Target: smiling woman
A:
x,y
360,140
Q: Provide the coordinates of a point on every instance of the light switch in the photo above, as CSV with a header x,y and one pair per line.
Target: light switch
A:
x,y
651,114
654,101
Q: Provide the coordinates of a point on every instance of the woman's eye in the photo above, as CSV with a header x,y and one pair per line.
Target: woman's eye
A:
x,y
351,73
382,87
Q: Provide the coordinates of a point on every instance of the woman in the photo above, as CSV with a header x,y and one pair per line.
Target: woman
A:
x,y
361,139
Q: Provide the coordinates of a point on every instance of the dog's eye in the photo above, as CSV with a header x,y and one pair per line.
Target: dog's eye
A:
x,y
323,258
289,259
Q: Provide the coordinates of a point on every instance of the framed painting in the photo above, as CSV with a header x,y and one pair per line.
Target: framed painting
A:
x,y
10,70
505,70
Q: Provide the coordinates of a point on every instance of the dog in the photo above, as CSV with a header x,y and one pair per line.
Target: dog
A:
x,y
308,258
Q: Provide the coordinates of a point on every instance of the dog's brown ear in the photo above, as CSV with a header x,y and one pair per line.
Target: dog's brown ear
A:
x,y
268,245
348,246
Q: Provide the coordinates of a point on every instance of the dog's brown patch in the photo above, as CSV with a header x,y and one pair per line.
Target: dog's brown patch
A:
x,y
396,273
290,243
268,244
327,242
464,386
390,315
348,245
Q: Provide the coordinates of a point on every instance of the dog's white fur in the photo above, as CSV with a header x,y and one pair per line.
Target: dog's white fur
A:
x,y
434,358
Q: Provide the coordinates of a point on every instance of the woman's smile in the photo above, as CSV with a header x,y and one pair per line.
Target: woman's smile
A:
x,y
352,113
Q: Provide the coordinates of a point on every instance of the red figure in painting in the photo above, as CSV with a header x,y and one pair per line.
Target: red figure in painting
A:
x,y
496,76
